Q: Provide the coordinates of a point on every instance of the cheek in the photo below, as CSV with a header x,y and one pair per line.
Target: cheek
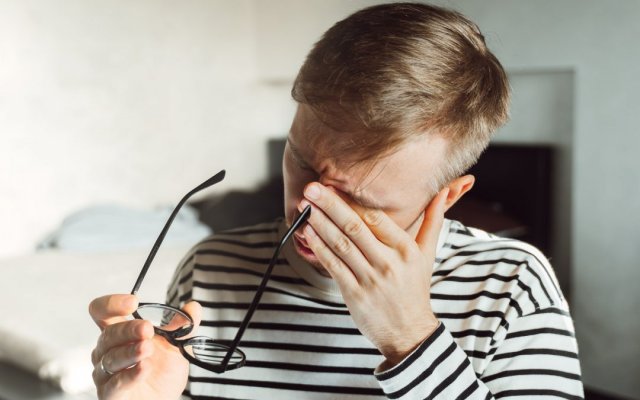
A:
x,y
409,215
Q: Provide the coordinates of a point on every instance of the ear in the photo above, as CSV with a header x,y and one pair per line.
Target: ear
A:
x,y
457,188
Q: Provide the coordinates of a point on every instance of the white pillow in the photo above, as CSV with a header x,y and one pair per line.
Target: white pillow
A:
x,y
117,228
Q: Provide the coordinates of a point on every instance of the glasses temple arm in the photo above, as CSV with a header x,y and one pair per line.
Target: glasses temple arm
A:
x,y
209,182
256,299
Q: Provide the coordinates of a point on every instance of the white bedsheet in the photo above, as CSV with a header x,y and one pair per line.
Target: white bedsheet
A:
x,y
45,326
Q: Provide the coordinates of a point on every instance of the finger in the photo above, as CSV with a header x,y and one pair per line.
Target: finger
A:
x,y
382,226
116,383
341,212
338,270
107,310
100,376
120,334
120,359
429,232
340,245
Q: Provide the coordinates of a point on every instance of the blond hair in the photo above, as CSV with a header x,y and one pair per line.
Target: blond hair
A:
x,y
390,72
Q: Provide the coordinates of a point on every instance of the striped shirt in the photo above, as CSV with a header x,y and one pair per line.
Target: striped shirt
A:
x,y
505,328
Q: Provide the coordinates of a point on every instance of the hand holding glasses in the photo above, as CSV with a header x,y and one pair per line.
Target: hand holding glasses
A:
x,y
172,323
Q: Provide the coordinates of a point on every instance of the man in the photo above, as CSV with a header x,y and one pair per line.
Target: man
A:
x,y
378,295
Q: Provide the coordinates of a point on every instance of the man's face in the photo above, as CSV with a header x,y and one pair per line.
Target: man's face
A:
x,y
398,184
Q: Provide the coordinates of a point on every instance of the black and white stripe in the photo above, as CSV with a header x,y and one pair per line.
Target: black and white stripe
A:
x,y
505,328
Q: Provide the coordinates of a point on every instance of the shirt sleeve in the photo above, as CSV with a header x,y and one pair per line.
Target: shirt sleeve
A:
x,y
537,357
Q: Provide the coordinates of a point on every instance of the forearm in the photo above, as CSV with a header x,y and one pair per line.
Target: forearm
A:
x,y
438,368
537,357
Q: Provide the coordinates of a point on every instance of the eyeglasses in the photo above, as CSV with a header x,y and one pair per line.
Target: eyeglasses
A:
x,y
172,323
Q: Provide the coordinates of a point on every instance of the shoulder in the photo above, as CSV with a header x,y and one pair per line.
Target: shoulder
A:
x,y
500,264
247,235
240,247
245,249
238,241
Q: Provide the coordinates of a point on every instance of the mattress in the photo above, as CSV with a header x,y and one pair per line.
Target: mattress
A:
x,y
46,333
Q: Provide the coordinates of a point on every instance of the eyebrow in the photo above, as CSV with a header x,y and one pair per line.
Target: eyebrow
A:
x,y
296,153
362,201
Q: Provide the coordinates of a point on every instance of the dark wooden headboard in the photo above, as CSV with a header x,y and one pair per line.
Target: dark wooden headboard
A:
x,y
511,197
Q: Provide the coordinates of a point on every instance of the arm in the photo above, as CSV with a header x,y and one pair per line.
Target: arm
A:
x,y
537,357
378,266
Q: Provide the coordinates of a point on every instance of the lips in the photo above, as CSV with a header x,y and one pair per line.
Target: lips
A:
x,y
302,246
302,242
301,239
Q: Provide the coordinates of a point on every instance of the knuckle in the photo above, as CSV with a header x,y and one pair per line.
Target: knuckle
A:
x,y
386,271
370,282
94,356
329,204
333,265
318,245
373,217
342,245
107,335
353,228
134,350
134,329
405,250
358,296
96,376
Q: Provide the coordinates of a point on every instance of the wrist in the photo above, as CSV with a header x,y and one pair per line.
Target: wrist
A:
x,y
403,346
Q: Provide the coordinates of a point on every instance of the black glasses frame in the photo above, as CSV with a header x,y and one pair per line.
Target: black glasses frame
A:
x,y
233,357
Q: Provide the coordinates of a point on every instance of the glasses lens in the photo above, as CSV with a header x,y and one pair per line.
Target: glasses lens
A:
x,y
211,353
166,318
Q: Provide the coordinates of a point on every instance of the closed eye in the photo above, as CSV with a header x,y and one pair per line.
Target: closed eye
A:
x,y
298,159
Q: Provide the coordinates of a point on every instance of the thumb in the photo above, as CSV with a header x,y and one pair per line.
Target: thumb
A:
x,y
427,238
194,309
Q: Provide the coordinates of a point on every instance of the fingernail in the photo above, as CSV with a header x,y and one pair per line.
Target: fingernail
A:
x,y
309,232
312,192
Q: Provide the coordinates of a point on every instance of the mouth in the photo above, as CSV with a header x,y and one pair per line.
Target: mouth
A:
x,y
304,251
302,247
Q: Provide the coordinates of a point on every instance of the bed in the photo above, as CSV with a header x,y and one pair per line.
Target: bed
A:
x,y
46,333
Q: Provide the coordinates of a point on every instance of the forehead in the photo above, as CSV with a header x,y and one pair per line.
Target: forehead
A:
x,y
307,126
403,174
324,141
338,138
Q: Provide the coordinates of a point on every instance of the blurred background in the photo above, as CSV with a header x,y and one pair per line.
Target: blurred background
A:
x,y
111,111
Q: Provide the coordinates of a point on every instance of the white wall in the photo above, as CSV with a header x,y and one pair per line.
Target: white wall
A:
x,y
102,101
128,102
597,40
